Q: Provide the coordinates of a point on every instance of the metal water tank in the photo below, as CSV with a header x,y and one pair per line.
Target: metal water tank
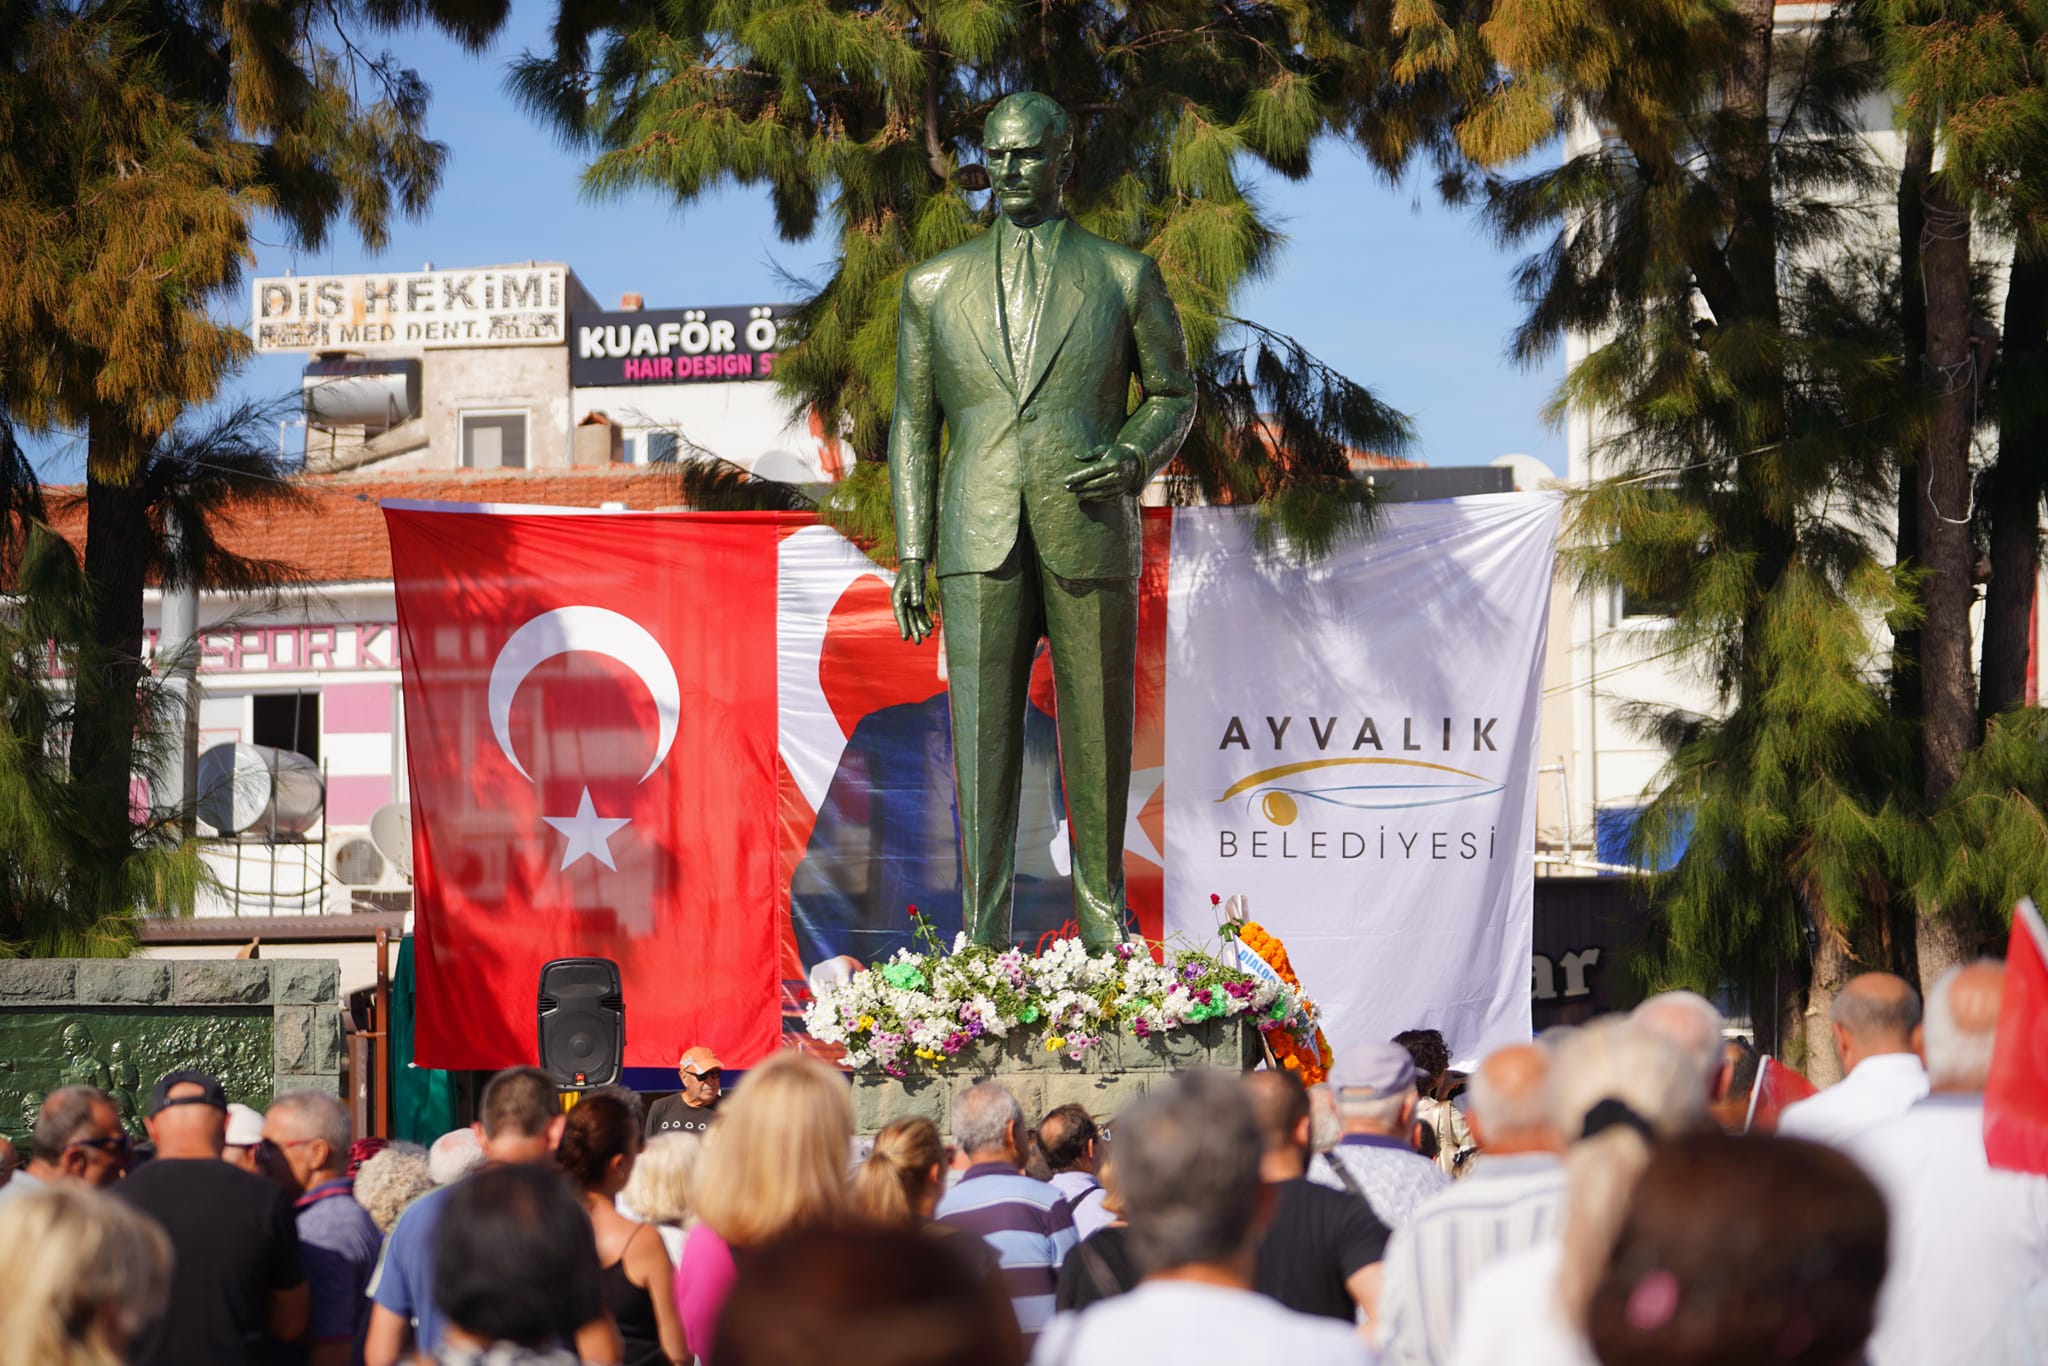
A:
x,y
259,790
377,394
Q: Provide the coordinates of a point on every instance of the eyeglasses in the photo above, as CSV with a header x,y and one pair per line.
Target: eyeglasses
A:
x,y
708,1074
118,1147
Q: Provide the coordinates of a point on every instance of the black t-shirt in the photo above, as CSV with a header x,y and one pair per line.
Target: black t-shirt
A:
x,y
1099,1267
1319,1238
236,1241
673,1115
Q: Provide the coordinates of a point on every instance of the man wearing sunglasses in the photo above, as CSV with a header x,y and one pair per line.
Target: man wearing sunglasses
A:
x,y
238,1293
77,1137
691,1110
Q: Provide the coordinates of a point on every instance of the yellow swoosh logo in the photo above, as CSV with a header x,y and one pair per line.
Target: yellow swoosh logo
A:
x,y
1269,774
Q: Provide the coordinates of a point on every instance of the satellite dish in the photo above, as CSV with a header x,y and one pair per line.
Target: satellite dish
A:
x,y
391,831
259,789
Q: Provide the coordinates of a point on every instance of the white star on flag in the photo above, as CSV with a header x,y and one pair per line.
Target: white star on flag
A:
x,y
588,833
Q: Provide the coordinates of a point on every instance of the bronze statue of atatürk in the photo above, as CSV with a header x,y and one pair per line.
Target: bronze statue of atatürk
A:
x,y
1024,343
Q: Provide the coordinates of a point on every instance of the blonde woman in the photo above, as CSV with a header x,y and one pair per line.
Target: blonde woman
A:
x,y
659,1191
774,1161
85,1278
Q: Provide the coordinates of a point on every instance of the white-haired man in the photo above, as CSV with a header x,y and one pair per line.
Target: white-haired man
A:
x,y
1691,1021
1375,1089
1967,1243
1510,1202
1876,1020
1027,1222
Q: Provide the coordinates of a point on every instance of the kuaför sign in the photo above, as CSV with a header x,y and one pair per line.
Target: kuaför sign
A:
x,y
673,345
430,310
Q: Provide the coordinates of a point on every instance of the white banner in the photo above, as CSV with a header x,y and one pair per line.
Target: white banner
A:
x,y
1353,748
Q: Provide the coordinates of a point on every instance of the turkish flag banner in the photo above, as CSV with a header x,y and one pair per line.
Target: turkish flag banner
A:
x,y
1776,1087
2016,1095
590,706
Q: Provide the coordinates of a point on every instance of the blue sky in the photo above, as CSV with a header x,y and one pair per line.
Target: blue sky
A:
x,y
1405,296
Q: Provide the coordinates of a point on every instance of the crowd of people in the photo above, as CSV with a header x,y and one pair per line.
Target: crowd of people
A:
x,y
1589,1196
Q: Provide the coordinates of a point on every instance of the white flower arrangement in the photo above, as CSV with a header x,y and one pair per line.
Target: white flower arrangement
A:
x,y
918,1008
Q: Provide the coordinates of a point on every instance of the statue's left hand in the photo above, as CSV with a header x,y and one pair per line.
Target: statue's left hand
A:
x,y
1103,479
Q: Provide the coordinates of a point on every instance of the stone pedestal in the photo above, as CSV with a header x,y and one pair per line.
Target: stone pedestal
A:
x,y
1121,1068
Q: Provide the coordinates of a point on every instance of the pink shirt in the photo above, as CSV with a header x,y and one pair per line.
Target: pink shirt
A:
x,y
704,1278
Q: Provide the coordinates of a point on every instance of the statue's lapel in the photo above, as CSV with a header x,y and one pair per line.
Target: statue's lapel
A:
x,y
1059,303
980,305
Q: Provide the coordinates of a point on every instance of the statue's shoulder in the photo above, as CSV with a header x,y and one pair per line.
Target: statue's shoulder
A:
x,y
924,280
1116,255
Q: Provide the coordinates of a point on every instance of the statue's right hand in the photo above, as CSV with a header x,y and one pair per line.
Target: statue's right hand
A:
x,y
913,617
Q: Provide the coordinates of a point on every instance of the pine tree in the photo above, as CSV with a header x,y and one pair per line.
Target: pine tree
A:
x,y
1749,417
137,142
862,114
78,876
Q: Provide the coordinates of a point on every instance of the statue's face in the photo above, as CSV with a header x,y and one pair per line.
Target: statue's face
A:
x,y
1026,164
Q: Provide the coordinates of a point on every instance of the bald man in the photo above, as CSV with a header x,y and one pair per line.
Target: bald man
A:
x,y
1967,1243
238,1293
1510,1202
1876,1023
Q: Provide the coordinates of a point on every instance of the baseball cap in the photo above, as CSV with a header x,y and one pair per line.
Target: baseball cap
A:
x,y
1381,1068
700,1060
245,1127
209,1090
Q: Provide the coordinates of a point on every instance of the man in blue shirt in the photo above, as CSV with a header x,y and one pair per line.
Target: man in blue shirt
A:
x,y
310,1131
521,1122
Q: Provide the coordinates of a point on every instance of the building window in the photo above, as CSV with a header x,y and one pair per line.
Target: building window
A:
x,y
494,441
287,720
661,448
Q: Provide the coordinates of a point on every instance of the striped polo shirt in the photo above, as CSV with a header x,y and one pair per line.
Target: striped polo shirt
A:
x,y
1029,1225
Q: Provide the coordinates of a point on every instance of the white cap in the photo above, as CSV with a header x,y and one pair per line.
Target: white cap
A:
x,y
245,1127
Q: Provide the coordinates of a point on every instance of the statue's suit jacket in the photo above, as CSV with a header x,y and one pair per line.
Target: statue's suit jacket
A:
x,y
1014,440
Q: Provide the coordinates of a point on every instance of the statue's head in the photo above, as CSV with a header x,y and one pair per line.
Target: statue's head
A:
x,y
75,1040
1028,143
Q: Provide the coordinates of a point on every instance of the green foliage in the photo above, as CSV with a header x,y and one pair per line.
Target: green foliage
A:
x,y
79,873
863,115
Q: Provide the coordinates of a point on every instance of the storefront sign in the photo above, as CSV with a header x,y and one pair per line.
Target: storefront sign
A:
x,y
673,346
345,646
495,306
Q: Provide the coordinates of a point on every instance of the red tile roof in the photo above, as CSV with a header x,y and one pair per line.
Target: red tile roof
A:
x,y
337,534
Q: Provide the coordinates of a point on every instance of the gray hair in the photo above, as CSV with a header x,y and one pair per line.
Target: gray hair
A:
x,y
1188,1168
982,1118
65,1117
1632,1062
391,1180
1500,1112
1689,1020
315,1114
1381,1112
1957,1059
454,1155
1868,1015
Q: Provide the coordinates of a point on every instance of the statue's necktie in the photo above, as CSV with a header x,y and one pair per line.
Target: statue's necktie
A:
x,y
1020,295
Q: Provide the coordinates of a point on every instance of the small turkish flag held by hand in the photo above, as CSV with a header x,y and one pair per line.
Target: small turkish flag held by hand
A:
x,y
591,732
2016,1096
1777,1086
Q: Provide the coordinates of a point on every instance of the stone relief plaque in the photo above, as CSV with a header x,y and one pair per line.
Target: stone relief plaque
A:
x,y
123,1052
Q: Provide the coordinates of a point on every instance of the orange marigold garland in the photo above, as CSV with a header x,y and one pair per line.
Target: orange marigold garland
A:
x,y
1295,1039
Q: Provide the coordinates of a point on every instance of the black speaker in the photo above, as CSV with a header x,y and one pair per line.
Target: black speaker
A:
x,y
582,1022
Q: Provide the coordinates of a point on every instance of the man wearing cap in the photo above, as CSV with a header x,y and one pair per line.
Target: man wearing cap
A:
x,y
1375,1089
691,1110
237,1290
